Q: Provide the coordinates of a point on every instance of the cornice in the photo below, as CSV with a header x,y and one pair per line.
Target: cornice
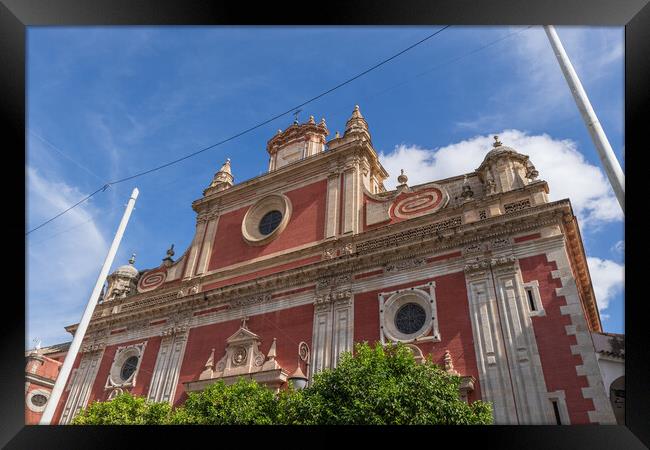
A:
x,y
361,254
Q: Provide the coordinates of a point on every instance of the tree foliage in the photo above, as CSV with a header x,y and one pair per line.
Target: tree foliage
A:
x,y
380,385
125,409
242,403
383,386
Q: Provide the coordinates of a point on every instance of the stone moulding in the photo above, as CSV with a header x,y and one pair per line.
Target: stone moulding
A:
x,y
378,249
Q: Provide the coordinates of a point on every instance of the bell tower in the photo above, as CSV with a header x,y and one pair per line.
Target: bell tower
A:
x,y
297,142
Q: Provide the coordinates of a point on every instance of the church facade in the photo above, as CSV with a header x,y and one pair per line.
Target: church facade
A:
x,y
287,270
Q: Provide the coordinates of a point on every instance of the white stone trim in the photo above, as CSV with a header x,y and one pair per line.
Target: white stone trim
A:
x,y
206,250
389,304
560,398
250,223
167,368
332,205
80,385
492,363
584,347
196,246
529,385
31,406
533,287
122,354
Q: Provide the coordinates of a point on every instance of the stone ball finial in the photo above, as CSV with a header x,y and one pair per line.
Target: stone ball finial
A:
x,y
311,119
132,259
496,142
402,179
337,135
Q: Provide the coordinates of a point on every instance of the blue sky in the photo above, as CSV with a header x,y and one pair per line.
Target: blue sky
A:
x,y
107,102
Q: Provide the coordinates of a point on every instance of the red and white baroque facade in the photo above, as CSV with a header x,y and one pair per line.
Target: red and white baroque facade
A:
x,y
293,267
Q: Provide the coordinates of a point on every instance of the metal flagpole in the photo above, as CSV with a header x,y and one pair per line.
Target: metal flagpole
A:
x,y
85,319
607,156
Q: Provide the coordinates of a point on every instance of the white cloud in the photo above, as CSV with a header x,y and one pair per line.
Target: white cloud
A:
x,y
62,265
567,172
607,277
619,247
533,92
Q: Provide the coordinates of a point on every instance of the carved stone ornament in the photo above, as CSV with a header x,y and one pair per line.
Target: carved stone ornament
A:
x,y
324,302
405,264
348,249
474,248
242,357
329,253
333,281
189,290
500,242
248,301
126,365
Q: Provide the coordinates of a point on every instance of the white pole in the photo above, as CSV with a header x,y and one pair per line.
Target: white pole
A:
x,y
607,156
85,319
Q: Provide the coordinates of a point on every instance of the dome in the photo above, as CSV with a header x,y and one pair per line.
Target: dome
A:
x,y
127,270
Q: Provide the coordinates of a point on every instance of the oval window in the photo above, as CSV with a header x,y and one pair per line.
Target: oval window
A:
x,y
270,222
129,367
39,400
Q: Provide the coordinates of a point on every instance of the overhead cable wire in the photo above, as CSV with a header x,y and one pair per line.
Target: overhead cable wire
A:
x,y
248,130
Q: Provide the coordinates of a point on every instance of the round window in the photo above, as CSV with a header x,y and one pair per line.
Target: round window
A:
x,y
39,400
270,222
129,367
410,318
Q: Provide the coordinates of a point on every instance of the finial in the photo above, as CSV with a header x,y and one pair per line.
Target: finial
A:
x,y
132,259
496,142
37,343
170,251
322,121
356,113
279,131
311,119
243,323
295,113
337,135
402,179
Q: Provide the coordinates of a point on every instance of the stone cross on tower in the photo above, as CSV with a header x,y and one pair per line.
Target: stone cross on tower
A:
x,y
243,322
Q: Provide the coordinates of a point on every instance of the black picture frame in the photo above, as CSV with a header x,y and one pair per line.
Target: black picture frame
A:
x,y
16,15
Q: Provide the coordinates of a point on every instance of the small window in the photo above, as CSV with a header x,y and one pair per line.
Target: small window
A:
x,y
556,410
531,299
270,222
39,400
129,367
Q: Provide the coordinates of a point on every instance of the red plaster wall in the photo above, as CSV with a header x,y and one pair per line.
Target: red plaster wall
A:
x,y
144,372
307,224
453,321
289,327
554,345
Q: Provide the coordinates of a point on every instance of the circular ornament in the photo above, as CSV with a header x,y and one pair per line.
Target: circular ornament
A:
x,y
152,279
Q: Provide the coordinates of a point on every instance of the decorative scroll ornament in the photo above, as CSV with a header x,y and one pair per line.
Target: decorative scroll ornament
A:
x,y
152,279
425,201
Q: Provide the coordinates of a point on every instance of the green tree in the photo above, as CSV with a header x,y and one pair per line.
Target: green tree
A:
x,y
242,403
125,409
382,386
